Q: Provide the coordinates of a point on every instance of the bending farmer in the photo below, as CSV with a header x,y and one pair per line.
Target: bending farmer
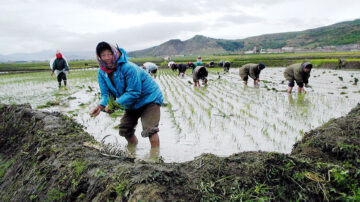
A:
x,y
200,72
299,72
252,70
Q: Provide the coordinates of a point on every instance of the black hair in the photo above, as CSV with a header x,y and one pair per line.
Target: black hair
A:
x,y
261,65
101,47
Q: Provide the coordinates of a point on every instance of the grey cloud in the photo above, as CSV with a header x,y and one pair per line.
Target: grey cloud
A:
x,y
130,39
137,37
175,8
241,19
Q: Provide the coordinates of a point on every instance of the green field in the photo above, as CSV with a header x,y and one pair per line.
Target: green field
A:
x,y
272,60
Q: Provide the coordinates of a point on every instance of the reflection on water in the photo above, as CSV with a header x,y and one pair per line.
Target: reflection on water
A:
x,y
153,155
300,100
223,118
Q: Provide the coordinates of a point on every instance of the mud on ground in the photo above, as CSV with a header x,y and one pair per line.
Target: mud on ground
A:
x,y
43,157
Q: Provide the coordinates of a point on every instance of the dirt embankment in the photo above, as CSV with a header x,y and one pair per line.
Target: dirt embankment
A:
x,y
43,157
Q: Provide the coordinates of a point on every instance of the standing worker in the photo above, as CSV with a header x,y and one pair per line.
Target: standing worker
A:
x,y
60,67
133,89
252,70
299,72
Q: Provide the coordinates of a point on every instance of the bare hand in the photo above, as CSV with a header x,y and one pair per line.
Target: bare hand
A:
x,y
307,85
96,111
52,73
68,71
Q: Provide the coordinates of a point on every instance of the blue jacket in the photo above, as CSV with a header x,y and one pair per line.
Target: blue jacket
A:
x,y
133,88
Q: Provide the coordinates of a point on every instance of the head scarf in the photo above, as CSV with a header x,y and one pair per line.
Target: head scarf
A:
x,y
116,55
58,54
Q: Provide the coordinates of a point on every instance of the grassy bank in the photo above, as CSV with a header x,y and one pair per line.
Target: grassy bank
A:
x,y
47,156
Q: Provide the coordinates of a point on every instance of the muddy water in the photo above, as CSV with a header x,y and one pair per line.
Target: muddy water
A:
x,y
222,118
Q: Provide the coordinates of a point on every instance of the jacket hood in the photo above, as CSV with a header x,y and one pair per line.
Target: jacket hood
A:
x,y
306,64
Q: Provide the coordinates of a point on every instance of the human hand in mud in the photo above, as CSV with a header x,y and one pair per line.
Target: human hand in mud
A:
x,y
96,111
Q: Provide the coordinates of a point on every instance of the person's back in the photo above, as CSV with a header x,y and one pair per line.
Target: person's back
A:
x,y
299,72
182,68
248,70
200,72
151,68
252,70
295,72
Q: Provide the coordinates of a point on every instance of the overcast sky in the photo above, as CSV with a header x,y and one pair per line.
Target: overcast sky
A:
x,y
78,25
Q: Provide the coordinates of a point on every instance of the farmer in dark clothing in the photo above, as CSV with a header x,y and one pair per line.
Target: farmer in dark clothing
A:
x,y
220,64
252,70
227,66
299,72
211,64
192,66
60,67
173,66
182,69
200,72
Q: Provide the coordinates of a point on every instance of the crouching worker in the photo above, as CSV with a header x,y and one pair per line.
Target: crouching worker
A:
x,y
299,72
151,68
133,88
252,70
60,67
200,72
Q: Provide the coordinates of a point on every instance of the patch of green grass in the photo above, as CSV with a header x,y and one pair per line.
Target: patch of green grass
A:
x,y
121,187
55,195
49,104
78,167
33,197
4,166
99,173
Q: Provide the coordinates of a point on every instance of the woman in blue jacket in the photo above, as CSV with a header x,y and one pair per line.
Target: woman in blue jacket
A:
x,y
132,88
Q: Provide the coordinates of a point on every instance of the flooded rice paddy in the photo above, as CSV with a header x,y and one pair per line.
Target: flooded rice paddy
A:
x,y
222,118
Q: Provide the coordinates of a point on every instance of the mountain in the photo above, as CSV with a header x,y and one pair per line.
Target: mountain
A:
x,y
197,45
337,34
